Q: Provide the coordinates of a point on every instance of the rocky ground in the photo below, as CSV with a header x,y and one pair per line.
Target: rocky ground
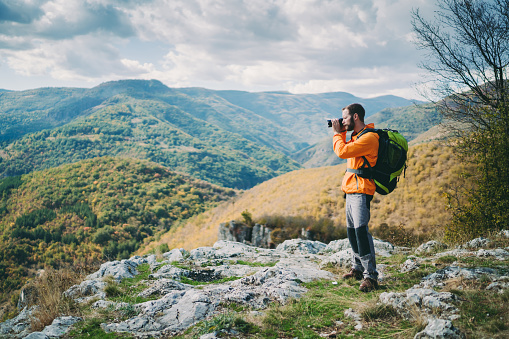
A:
x,y
162,297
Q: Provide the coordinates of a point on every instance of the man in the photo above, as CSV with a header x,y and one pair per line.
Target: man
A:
x,y
358,191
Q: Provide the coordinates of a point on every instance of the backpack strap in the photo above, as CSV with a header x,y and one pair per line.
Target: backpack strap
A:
x,y
366,171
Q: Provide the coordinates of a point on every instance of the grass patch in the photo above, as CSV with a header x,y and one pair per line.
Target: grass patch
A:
x,y
253,264
188,281
180,265
446,259
91,328
484,314
398,282
128,289
379,312
320,310
225,322
474,262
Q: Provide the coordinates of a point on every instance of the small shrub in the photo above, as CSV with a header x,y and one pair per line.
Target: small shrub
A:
x,y
225,321
163,248
379,311
112,290
399,235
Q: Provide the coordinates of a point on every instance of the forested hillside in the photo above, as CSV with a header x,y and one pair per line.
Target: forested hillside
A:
x,y
152,130
91,211
416,208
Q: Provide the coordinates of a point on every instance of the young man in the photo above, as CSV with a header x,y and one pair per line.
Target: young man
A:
x,y
359,192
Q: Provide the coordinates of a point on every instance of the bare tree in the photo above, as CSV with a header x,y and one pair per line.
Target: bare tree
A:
x,y
468,55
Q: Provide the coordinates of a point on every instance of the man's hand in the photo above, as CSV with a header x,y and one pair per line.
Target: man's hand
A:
x,y
337,127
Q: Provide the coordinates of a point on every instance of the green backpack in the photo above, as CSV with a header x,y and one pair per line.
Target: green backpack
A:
x,y
391,161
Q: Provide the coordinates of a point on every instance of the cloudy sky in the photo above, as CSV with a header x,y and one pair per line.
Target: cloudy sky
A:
x,y
363,47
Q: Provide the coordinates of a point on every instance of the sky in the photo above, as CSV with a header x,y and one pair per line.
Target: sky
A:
x,y
363,47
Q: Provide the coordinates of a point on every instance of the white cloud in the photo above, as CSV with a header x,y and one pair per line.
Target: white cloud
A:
x,y
305,45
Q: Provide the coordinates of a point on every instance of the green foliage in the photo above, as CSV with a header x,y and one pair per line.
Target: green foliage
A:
x,y
91,328
152,130
248,218
253,264
92,210
481,208
379,312
9,183
163,248
35,218
188,281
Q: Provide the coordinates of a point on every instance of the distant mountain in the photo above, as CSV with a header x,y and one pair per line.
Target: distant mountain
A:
x,y
302,115
232,138
411,121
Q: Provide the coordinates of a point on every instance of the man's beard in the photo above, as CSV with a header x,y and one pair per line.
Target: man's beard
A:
x,y
350,127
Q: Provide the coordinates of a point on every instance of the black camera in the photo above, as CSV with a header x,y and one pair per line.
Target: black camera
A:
x,y
329,122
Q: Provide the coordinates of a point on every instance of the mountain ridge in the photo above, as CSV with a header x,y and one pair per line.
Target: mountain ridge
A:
x,y
262,130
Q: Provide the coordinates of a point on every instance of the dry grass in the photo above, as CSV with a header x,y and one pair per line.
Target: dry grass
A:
x,y
417,205
48,295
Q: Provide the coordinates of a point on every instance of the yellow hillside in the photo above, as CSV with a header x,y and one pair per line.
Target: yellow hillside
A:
x,y
417,203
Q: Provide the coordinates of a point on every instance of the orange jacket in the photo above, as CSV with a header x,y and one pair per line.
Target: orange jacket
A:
x,y
353,150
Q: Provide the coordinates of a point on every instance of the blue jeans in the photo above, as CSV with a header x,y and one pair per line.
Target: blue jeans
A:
x,y
357,219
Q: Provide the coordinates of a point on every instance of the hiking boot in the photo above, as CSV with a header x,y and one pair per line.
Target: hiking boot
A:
x,y
353,274
368,285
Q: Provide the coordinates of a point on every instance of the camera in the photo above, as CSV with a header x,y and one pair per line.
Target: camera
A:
x,y
329,122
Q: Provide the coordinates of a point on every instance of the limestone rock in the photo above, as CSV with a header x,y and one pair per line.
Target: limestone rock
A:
x,y
87,290
337,246
176,254
350,313
499,254
342,252
340,259
427,301
109,304
430,247
162,287
384,248
36,335
476,243
440,328
119,269
259,277
437,279
299,246
18,327
258,235
409,265
499,284
60,326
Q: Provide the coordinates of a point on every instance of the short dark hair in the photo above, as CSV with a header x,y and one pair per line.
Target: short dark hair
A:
x,y
356,108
